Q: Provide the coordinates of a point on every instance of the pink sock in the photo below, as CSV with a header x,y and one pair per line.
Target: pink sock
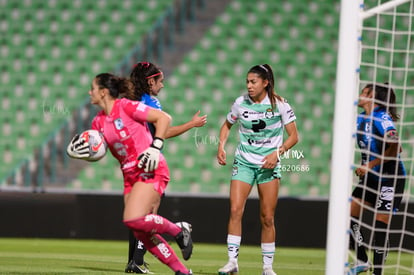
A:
x,y
153,223
158,247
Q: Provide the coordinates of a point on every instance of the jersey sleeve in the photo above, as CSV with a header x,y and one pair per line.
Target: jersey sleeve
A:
x,y
383,124
233,115
95,125
135,109
286,112
151,101
156,103
97,122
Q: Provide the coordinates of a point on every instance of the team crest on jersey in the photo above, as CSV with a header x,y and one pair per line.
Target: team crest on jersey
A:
x,y
118,123
269,113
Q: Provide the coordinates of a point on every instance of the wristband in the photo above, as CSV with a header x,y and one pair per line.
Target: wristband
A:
x,y
157,143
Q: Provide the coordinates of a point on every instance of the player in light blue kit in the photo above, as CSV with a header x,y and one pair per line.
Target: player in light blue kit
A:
x,y
148,80
381,174
262,116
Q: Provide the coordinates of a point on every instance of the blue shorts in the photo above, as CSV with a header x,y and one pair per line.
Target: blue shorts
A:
x,y
253,175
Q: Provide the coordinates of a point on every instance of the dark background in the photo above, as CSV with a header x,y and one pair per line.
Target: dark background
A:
x,y
299,222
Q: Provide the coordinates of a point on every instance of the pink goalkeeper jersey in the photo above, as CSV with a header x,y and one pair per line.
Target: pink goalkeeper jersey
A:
x,y
125,130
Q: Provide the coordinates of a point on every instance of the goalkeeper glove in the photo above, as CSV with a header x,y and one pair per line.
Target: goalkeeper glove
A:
x,y
150,158
78,148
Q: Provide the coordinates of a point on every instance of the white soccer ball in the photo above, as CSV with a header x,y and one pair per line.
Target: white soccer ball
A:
x,y
97,144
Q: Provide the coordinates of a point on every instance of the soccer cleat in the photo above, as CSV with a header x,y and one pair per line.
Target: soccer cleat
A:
x,y
358,268
132,267
184,240
268,271
231,268
180,273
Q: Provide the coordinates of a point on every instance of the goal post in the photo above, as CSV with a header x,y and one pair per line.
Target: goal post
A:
x,y
344,124
350,62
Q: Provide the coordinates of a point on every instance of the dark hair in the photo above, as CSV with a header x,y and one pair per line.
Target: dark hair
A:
x,y
385,98
140,74
117,86
265,72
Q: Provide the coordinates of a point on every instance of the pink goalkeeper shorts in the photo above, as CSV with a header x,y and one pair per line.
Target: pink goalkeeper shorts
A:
x,y
159,178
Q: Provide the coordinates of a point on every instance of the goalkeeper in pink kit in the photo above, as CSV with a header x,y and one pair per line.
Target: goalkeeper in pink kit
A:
x,y
123,123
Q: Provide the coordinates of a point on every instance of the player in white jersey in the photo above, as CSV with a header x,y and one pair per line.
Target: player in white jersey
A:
x,y
263,116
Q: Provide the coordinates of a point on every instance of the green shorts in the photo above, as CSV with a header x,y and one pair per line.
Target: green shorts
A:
x,y
252,175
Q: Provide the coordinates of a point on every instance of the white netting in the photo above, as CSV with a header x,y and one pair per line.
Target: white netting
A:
x,y
387,55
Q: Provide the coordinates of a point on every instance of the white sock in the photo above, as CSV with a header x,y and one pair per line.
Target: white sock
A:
x,y
268,252
233,244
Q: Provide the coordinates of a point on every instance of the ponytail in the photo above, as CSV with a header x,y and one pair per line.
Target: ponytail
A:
x,y
117,86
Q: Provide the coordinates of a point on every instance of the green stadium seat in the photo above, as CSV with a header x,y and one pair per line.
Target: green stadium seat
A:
x,y
50,51
235,43
297,38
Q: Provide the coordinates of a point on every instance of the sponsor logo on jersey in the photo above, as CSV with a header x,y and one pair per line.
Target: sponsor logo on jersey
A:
x,y
123,134
291,113
141,107
258,142
120,149
119,124
247,114
129,165
258,125
387,124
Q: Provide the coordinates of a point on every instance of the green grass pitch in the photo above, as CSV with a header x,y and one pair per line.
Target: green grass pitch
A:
x,y
51,256
55,256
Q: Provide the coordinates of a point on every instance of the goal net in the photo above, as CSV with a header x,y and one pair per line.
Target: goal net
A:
x,y
383,52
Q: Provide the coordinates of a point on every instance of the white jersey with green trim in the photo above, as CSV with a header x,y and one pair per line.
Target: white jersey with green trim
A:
x,y
260,128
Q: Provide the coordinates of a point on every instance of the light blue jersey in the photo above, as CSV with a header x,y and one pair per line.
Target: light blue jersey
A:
x,y
151,101
370,136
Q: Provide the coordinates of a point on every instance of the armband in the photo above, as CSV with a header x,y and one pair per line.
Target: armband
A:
x,y
391,136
